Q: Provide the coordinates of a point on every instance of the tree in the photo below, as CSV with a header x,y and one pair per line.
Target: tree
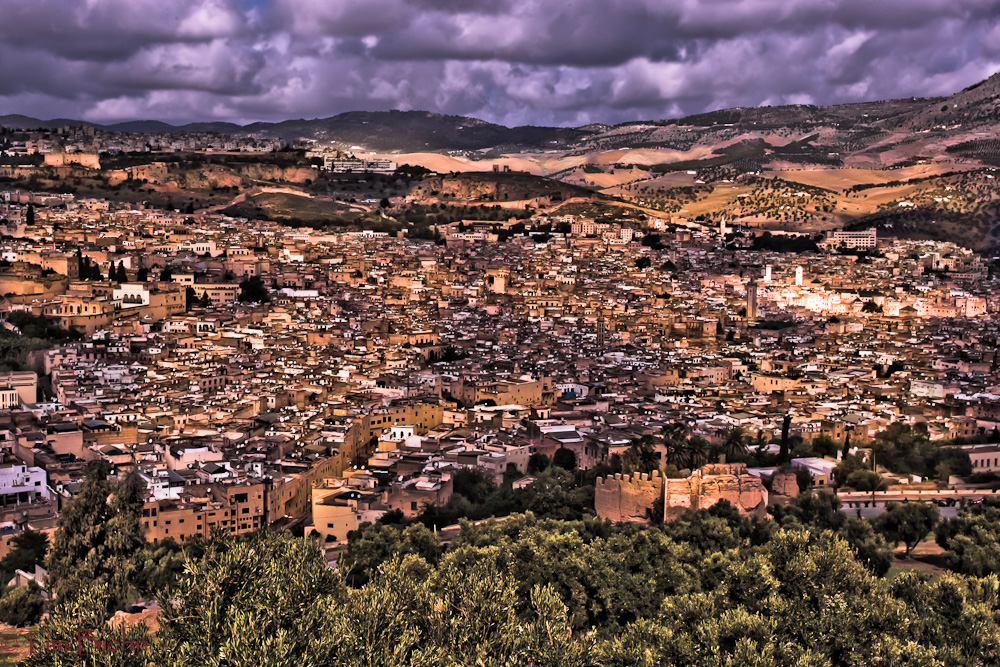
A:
x,y
643,263
564,458
640,457
734,445
142,275
823,445
370,547
27,549
99,537
696,452
866,480
786,424
971,541
166,275
821,510
205,301
252,290
759,442
474,484
29,217
908,523
537,463
22,606
190,298
711,588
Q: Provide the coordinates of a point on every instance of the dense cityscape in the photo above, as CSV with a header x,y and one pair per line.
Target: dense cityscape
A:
x,y
400,387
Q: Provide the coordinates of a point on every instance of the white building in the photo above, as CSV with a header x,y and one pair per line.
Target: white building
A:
x,y
21,485
863,240
340,166
132,295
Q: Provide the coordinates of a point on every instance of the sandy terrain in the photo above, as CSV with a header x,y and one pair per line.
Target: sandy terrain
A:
x,y
841,179
543,164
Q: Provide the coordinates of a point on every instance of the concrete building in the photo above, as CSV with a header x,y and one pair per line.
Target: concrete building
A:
x,y
21,484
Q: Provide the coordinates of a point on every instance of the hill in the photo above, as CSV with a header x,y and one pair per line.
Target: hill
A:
x,y
921,166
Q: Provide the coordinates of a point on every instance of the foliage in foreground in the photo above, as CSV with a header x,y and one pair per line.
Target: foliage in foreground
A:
x,y
711,589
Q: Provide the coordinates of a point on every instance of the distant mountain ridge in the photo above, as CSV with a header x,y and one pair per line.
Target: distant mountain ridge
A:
x,y
856,124
383,130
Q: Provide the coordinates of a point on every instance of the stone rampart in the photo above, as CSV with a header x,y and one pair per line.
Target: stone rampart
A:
x,y
628,497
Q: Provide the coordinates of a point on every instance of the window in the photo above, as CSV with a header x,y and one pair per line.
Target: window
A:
x,y
246,510
413,506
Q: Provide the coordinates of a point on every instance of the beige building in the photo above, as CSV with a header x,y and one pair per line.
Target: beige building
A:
x,y
233,509
334,511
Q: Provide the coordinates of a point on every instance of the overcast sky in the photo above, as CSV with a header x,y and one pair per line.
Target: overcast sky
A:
x,y
540,62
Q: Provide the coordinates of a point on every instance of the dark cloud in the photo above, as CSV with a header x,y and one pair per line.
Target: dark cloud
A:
x,y
510,61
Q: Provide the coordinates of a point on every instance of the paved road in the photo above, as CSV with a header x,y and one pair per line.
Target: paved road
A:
x,y
869,512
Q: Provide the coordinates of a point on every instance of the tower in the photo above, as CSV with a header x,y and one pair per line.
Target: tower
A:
x,y
722,228
601,329
497,280
752,300
798,276
767,273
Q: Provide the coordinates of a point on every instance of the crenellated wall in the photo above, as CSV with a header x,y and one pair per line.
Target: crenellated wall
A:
x,y
628,497
632,497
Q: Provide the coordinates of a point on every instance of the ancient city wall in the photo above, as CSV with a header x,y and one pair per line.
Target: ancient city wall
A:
x,y
712,483
628,498
631,498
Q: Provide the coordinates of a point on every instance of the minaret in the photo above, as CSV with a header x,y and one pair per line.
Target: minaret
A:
x,y
722,228
601,328
767,273
752,301
798,276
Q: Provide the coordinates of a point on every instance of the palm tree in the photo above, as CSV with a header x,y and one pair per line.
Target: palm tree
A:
x,y
672,438
735,443
641,456
697,452
759,441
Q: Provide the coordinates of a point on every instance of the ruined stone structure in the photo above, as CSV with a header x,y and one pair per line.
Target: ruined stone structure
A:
x,y
628,498
89,160
632,498
784,486
712,483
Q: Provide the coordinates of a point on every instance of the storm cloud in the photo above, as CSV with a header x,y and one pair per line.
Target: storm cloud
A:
x,y
559,62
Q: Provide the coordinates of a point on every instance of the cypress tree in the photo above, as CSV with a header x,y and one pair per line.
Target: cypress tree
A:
x,y
785,425
99,536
